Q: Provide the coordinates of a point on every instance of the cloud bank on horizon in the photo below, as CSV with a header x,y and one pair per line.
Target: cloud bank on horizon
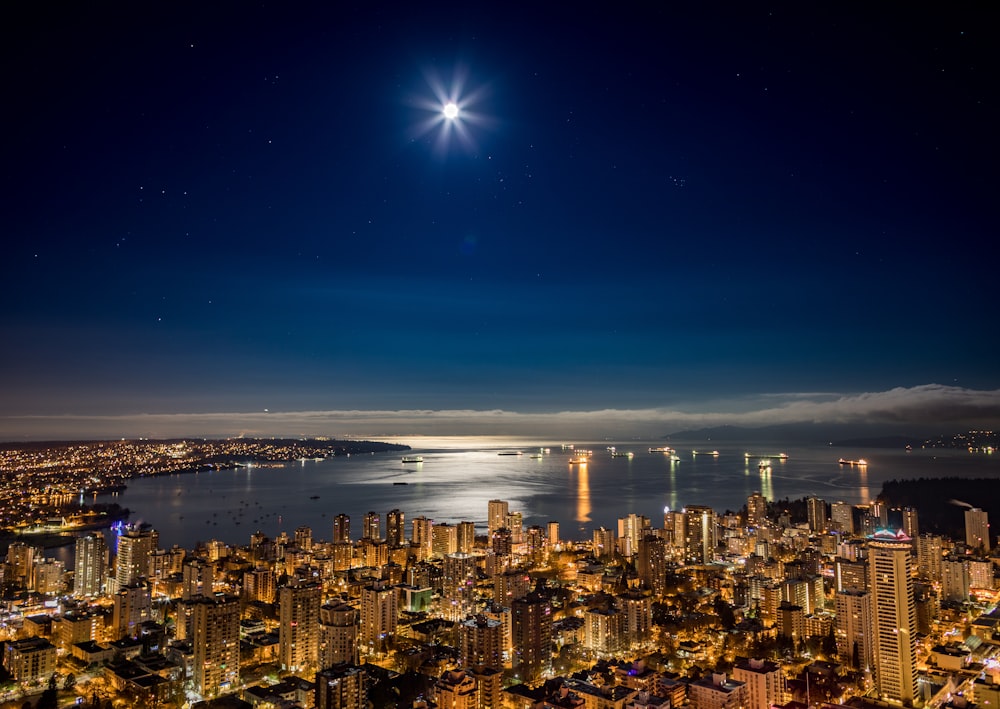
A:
x,y
929,406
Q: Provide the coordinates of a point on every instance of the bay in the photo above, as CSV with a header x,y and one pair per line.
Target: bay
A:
x,y
458,476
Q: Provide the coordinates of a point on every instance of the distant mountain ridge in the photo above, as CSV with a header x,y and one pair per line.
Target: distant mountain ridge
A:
x,y
876,436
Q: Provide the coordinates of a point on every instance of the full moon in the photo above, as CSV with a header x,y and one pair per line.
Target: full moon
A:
x,y
450,111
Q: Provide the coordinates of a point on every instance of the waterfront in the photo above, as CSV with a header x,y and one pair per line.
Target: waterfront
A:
x,y
458,476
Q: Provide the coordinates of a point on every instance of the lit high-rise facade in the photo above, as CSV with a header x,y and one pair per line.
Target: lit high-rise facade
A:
x,y
341,529
497,511
216,641
338,634
699,534
977,529
893,615
298,627
395,528
91,565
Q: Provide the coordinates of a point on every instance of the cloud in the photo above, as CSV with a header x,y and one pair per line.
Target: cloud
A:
x,y
929,405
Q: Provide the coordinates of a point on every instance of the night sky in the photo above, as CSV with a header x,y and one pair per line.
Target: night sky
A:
x,y
223,218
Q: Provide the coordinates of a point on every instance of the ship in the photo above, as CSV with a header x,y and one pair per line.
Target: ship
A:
x,y
764,466
766,456
861,462
622,454
579,460
712,453
537,456
661,449
401,483
413,459
510,453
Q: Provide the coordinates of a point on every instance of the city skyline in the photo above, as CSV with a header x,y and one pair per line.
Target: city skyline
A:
x,y
262,221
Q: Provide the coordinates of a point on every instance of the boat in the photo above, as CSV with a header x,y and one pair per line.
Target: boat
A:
x,y
314,497
510,453
413,459
764,466
766,456
661,449
579,460
401,483
860,462
537,456
713,453
622,454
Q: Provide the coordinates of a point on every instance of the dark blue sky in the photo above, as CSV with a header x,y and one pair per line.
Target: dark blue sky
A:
x,y
654,208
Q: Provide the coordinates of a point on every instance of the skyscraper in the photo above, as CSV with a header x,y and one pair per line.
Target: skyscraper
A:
x,y
132,561
395,528
422,537
338,634
893,615
372,528
816,512
298,629
379,613
91,565
480,642
341,528
977,529
216,640
496,518
458,584
699,533
532,636
341,687
756,510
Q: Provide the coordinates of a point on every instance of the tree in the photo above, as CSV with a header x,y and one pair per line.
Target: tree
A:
x,y
70,681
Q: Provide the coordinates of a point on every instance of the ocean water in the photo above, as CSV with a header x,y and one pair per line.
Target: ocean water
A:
x,y
459,476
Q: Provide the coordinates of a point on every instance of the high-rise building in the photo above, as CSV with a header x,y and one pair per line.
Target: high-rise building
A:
x,y
298,626
534,545
756,510
531,636
132,606
304,538
699,534
341,529
510,584
853,629
955,580
395,528
630,530
605,542
652,564
977,530
458,585
197,578
379,614
480,642
260,585
135,545
552,535
372,527
466,537
422,537
637,616
497,511
764,680
816,513
338,634
215,637
444,539
930,550
341,687
91,565
893,616
603,631
842,517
